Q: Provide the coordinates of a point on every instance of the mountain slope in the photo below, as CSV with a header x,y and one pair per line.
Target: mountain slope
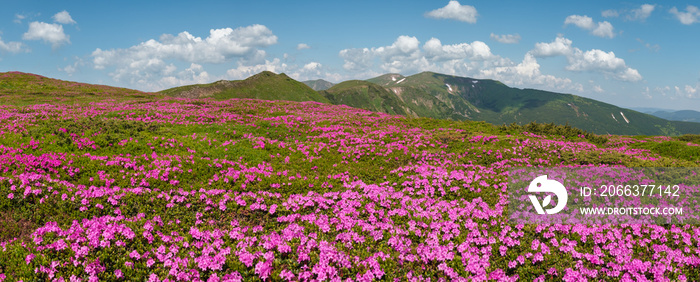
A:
x,y
365,95
319,84
265,85
20,88
684,115
459,98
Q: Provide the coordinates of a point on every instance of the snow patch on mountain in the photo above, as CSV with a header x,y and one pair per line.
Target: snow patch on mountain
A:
x,y
623,116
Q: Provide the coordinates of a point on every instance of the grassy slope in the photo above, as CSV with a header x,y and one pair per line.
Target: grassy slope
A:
x,y
265,85
365,95
18,88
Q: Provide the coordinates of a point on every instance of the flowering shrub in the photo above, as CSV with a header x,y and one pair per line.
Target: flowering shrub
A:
x,y
203,190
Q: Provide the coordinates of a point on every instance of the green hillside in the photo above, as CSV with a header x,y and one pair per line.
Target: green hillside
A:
x,y
366,95
265,85
18,88
461,98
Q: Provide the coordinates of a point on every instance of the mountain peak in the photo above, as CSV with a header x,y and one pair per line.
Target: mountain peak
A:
x,y
319,84
265,85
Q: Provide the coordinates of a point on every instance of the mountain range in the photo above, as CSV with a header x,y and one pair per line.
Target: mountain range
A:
x,y
425,94
319,84
441,96
682,115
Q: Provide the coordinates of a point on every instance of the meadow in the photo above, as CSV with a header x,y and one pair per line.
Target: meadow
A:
x,y
174,189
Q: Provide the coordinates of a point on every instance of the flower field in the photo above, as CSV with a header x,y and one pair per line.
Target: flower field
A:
x,y
203,190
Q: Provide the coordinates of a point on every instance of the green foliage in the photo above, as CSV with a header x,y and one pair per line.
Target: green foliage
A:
x,y
672,149
694,138
551,129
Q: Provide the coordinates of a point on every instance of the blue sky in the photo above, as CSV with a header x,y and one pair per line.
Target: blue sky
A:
x,y
632,54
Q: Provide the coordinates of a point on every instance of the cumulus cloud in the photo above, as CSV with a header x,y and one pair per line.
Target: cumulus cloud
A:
x,y
49,33
641,13
195,74
404,50
690,16
475,51
473,59
528,72
559,47
302,46
63,17
11,47
600,29
592,60
150,59
455,11
220,45
312,66
506,38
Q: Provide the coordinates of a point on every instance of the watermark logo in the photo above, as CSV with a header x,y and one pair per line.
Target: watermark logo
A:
x,y
542,184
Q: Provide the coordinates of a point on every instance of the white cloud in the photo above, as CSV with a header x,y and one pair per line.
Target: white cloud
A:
x,y
690,16
601,61
195,74
528,72
147,60
604,29
464,59
506,38
312,66
641,13
584,22
404,49
221,45
243,71
49,33
63,17
11,47
600,29
560,46
598,89
302,46
610,14
591,60
455,11
476,51
594,59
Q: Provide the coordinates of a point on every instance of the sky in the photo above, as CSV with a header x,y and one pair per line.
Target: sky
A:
x,y
627,53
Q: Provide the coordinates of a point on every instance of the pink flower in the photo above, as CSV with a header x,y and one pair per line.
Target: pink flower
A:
x,y
29,258
134,255
118,273
11,196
